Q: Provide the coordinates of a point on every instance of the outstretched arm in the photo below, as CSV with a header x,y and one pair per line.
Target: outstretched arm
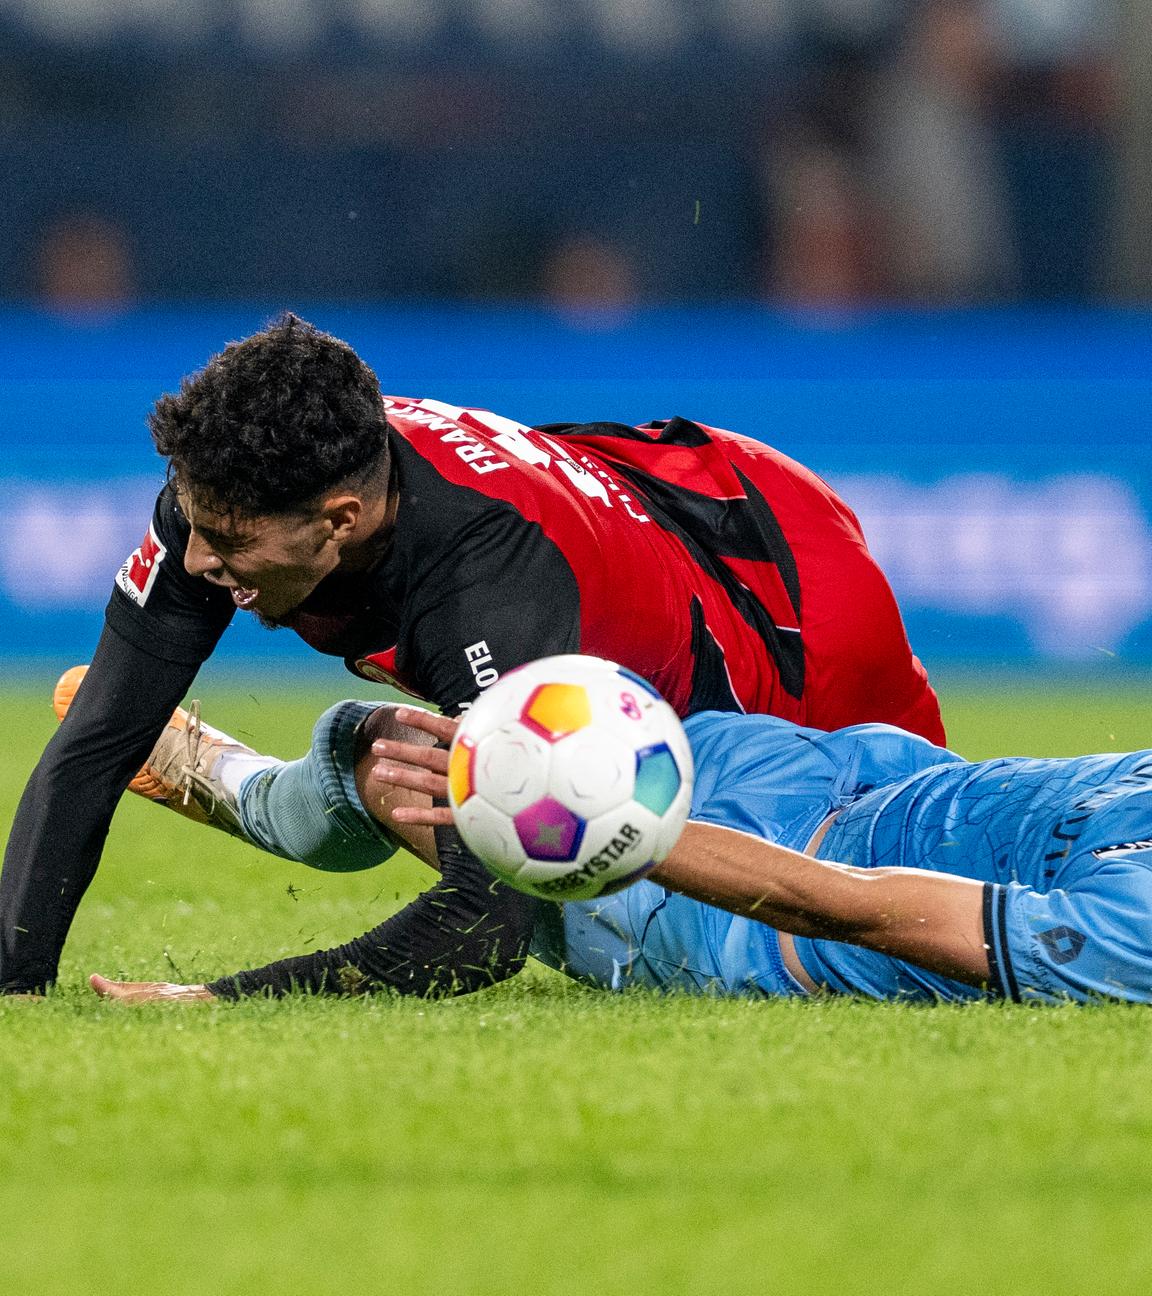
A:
x,y
934,920
161,624
59,830
465,933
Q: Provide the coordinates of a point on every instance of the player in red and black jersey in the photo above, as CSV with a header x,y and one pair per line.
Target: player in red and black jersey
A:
x,y
435,547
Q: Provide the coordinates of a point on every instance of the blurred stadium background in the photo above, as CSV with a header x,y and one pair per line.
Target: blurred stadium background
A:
x,y
907,241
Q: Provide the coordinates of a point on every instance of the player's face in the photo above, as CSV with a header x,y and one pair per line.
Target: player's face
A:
x,y
268,564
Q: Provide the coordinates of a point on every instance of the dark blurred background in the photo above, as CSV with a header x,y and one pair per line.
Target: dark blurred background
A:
x,y
826,152
907,241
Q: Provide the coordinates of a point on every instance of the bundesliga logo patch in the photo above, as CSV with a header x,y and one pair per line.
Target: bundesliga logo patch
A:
x,y
138,574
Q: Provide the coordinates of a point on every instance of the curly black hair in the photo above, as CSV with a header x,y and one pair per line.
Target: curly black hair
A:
x,y
273,422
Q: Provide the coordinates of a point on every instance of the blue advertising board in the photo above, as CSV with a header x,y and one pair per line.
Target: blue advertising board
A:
x,y
1001,462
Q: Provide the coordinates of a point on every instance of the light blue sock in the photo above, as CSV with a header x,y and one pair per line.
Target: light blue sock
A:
x,y
309,810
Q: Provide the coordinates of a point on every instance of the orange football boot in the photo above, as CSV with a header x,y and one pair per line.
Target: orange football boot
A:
x,y
180,771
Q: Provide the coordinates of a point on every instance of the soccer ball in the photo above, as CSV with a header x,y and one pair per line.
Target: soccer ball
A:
x,y
570,778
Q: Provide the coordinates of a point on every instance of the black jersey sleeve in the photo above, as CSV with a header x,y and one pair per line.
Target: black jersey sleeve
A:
x,y
147,657
156,605
505,597
465,933
62,820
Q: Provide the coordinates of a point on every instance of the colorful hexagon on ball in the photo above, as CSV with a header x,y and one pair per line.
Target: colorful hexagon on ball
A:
x,y
578,781
549,830
657,778
556,710
461,782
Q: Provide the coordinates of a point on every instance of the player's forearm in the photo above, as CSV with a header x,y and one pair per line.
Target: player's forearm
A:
x,y
35,885
52,855
59,829
466,933
757,879
932,920
441,961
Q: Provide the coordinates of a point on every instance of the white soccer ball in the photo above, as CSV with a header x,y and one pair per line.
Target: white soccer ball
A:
x,y
570,778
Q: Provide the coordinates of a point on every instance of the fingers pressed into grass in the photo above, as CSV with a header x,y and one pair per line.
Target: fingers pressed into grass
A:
x,y
135,992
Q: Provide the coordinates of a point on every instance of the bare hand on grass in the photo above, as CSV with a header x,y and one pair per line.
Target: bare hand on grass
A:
x,y
148,991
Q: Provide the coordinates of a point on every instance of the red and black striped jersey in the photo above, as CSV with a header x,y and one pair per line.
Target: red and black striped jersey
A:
x,y
716,567
721,570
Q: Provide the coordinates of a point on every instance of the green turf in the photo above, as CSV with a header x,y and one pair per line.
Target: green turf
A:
x,y
541,1138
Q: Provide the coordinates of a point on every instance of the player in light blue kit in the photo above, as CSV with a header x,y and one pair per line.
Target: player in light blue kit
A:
x,y
865,861
1024,878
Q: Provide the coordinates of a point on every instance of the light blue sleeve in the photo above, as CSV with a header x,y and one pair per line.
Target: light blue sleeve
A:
x,y
1092,940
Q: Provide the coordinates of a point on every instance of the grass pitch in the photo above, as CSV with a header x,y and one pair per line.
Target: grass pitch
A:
x,y
541,1138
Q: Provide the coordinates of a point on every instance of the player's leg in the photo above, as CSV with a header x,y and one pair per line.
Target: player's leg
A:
x,y
859,666
309,810
183,770
324,810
